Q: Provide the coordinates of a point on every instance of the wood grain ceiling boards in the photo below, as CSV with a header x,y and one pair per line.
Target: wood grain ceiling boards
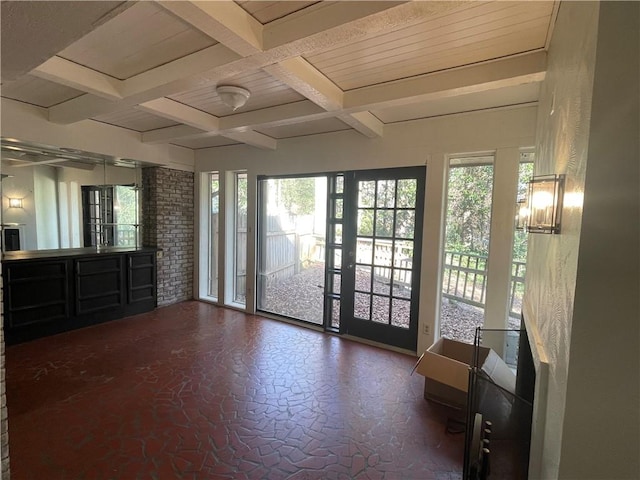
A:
x,y
517,95
475,33
265,90
311,67
36,91
143,37
306,128
206,142
266,12
135,120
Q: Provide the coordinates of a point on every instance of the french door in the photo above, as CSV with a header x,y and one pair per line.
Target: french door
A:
x,y
351,239
381,252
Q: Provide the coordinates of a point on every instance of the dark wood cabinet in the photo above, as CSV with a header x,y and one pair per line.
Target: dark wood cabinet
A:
x,y
46,294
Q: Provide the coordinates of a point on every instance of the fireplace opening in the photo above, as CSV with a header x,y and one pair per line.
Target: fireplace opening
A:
x,y
501,407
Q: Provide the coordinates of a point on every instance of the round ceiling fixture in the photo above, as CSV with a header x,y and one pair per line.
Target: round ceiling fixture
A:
x,y
232,96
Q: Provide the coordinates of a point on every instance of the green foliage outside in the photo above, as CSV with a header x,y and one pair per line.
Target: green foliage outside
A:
x,y
469,210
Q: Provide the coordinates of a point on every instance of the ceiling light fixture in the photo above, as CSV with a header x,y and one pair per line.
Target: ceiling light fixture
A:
x,y
232,96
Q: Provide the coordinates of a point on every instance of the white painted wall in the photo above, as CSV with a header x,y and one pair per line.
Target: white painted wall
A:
x,y
45,194
20,185
29,123
420,142
581,299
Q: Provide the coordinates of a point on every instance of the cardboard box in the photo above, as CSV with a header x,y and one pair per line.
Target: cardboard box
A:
x,y
445,367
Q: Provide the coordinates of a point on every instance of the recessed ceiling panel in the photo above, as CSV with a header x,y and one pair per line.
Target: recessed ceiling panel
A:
x,y
266,12
206,142
474,33
36,91
143,37
465,103
265,90
307,128
134,119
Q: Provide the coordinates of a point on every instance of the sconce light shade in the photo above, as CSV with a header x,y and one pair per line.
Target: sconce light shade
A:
x,y
545,204
15,203
232,96
522,213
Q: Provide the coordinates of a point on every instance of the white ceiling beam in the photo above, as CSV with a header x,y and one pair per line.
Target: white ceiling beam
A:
x,y
64,72
307,80
338,23
277,116
226,22
197,119
254,139
519,70
179,112
168,134
231,25
320,18
364,122
181,74
529,68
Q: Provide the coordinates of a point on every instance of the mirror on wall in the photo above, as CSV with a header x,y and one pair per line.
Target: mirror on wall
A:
x,y
56,198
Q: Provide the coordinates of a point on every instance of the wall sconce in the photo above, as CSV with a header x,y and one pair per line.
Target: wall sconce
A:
x,y
522,213
15,203
545,204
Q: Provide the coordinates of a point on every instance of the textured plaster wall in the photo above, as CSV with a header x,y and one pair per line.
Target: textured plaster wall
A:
x,y
602,413
582,285
562,141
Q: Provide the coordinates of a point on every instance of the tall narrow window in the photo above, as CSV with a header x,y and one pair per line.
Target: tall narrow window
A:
x,y
213,212
468,222
519,258
292,224
240,243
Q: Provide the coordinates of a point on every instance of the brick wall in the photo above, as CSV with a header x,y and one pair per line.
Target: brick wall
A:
x,y
167,223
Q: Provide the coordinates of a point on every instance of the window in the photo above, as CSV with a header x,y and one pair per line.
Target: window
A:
x,y
466,247
237,240
110,215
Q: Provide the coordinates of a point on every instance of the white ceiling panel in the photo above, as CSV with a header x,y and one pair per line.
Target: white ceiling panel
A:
x,y
143,37
472,34
265,90
307,128
465,103
134,119
36,91
266,12
205,142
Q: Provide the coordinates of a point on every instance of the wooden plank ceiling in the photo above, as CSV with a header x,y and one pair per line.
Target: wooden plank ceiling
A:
x,y
311,67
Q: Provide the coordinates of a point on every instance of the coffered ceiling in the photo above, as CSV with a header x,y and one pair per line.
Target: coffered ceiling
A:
x,y
311,67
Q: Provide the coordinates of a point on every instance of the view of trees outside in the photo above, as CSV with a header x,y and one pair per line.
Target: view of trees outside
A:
x,y
291,267
468,219
125,215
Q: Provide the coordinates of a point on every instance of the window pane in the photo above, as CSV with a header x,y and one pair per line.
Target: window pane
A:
x,y
240,264
380,309
365,222
468,222
366,194
363,278
214,197
361,306
400,313
291,268
405,223
386,194
384,223
407,193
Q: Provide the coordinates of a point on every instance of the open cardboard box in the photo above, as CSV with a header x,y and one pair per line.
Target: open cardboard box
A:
x,y
445,367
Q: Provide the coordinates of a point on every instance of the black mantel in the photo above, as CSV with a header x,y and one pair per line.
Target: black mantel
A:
x,y
52,291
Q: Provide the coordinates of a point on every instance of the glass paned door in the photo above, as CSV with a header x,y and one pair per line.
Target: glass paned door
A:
x,y
383,236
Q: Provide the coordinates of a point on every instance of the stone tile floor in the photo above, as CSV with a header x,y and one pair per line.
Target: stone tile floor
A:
x,y
193,391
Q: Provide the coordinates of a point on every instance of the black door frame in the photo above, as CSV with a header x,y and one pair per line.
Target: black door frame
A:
x,y
405,338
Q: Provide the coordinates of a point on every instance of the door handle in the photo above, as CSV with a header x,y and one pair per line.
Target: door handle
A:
x,y
350,266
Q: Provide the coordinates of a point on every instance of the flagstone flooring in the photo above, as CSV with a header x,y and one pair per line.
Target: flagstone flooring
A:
x,y
194,391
